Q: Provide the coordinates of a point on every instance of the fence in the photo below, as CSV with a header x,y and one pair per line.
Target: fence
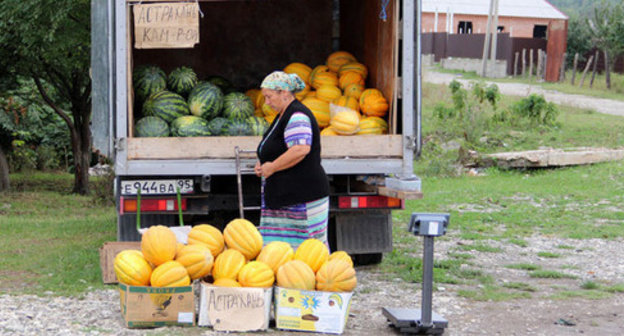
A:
x,y
509,49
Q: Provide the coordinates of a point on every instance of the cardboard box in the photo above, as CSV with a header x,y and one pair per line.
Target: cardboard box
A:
x,y
324,312
234,309
143,306
108,251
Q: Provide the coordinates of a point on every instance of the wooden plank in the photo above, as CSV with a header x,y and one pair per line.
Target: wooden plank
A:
x,y
550,157
392,124
368,146
402,194
107,255
129,69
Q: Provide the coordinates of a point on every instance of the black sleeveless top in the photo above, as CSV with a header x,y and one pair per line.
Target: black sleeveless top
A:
x,y
304,182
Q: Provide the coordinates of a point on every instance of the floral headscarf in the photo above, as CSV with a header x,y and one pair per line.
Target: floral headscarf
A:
x,y
279,80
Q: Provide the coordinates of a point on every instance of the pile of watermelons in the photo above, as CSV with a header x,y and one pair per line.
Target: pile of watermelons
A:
x,y
180,105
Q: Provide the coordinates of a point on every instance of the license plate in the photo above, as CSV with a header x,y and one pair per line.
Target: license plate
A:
x,y
157,187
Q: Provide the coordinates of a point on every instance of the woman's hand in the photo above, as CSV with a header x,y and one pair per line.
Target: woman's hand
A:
x,y
258,169
267,169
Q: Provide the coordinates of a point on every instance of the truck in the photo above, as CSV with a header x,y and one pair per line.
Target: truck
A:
x,y
243,41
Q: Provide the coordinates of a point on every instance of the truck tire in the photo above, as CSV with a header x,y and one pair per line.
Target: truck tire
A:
x,y
368,259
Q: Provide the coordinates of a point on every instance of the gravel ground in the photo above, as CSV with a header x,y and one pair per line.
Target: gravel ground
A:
x,y
98,313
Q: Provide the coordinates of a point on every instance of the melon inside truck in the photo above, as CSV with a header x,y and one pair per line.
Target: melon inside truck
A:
x,y
240,42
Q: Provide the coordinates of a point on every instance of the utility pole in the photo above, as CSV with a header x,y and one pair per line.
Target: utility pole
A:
x,y
486,44
494,32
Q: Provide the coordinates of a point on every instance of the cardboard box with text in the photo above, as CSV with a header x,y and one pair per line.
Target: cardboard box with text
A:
x,y
143,307
323,312
234,309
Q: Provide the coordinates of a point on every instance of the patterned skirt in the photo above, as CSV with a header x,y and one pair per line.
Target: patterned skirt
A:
x,y
295,223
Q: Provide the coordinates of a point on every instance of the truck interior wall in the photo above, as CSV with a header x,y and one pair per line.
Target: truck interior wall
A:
x,y
243,41
374,42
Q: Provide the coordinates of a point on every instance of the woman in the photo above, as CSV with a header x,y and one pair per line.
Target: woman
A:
x,y
295,190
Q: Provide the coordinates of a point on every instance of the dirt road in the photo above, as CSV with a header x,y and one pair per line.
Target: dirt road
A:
x,y
607,106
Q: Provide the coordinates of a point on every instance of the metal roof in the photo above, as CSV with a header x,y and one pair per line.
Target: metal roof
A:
x,y
513,8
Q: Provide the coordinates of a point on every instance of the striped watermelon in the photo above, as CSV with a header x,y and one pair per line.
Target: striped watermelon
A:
x,y
225,85
151,127
237,105
189,126
205,100
165,105
182,80
237,127
257,125
146,80
217,126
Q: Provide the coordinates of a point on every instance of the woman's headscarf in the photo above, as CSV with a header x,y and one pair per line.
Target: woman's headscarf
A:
x,y
279,80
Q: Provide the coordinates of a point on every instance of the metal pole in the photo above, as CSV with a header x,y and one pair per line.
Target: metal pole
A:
x,y
427,288
239,182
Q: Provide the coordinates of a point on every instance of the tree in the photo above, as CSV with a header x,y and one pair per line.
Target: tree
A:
x,y
49,42
579,39
607,27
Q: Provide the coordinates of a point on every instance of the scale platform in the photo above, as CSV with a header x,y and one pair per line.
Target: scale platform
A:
x,y
409,321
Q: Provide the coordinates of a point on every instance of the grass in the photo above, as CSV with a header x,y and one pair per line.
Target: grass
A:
x,y
521,286
50,237
493,293
584,294
548,255
546,274
599,89
526,267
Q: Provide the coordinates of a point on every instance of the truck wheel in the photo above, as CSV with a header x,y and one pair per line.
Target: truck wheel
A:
x,y
368,258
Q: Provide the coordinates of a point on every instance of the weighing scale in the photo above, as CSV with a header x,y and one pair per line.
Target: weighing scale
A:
x,y
422,321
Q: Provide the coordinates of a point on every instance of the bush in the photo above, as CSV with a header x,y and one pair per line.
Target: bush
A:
x,y
102,188
537,110
47,158
22,157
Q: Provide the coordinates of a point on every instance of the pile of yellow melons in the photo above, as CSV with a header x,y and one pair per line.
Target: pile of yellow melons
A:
x,y
234,258
341,82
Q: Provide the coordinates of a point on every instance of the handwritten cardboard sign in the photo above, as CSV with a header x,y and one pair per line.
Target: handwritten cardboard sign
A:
x,y
166,25
235,309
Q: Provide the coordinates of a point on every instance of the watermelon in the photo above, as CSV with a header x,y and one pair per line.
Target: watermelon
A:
x,y
165,105
237,127
205,100
223,84
237,105
257,125
151,127
217,126
182,80
146,80
189,126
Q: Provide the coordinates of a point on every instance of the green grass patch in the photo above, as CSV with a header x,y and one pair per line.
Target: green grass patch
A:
x,y
546,274
461,256
51,237
519,242
480,248
548,255
590,285
584,294
565,247
521,286
619,288
526,267
492,293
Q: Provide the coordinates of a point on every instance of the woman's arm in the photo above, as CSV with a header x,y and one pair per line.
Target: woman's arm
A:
x,y
290,158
